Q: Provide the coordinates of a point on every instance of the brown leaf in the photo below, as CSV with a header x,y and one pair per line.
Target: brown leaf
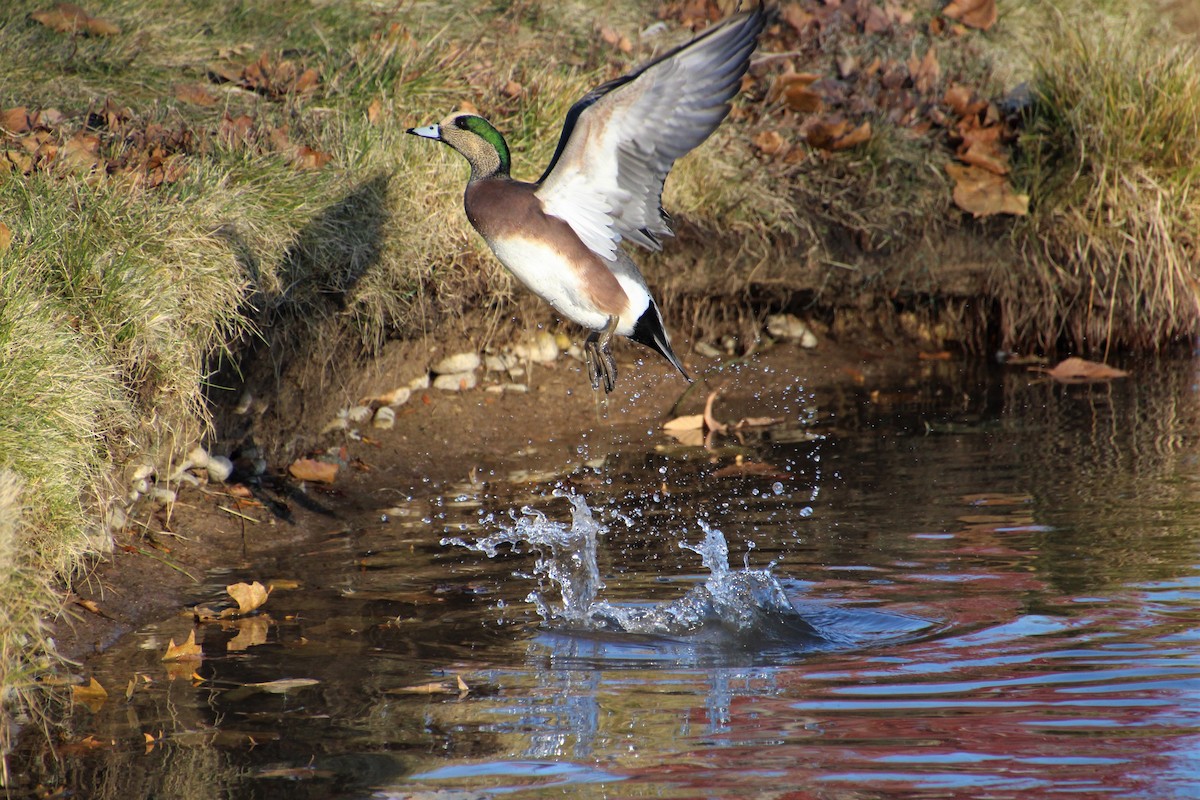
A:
x,y
770,143
925,72
1079,370
15,120
251,633
93,695
80,153
963,101
794,15
249,596
195,93
188,651
374,111
5,238
70,18
308,469
835,133
985,193
979,14
794,89
305,157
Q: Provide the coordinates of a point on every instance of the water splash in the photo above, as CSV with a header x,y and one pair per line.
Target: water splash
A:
x,y
744,608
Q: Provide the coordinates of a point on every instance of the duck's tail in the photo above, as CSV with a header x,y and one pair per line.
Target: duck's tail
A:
x,y
651,332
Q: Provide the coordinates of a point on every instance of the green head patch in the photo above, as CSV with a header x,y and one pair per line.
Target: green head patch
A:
x,y
484,130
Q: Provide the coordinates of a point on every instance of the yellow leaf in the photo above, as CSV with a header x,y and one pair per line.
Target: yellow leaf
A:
x,y
93,695
248,596
685,423
189,650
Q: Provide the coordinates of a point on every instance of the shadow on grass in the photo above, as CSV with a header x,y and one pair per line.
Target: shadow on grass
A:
x,y
288,371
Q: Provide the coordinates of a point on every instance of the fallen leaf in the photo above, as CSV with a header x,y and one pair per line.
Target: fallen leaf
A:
x,y
93,695
188,651
710,421
770,143
925,72
90,605
685,423
283,686
252,632
985,193
195,93
835,133
1079,370
458,687
979,14
249,596
374,111
963,101
16,120
70,18
5,238
308,469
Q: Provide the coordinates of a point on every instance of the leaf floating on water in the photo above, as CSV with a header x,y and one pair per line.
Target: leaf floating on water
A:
x,y
1080,370
93,695
458,686
283,686
248,596
188,651
251,633
686,423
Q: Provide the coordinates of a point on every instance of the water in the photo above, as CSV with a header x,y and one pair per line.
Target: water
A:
x,y
966,585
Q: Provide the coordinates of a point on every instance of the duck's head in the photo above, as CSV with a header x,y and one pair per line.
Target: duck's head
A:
x,y
473,136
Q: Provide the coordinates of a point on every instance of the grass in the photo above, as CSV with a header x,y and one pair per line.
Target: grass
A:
x,y
1111,156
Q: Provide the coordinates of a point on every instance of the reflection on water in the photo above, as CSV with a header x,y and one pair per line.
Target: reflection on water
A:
x,y
970,585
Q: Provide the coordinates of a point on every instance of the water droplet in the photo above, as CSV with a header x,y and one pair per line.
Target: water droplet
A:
x,y
806,511
777,488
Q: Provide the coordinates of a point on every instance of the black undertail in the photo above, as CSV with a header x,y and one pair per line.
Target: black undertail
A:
x,y
649,331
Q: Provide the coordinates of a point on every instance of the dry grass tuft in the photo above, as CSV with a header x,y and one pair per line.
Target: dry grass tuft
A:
x,y
1112,160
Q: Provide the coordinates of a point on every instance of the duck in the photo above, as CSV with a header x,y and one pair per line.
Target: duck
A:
x,y
562,236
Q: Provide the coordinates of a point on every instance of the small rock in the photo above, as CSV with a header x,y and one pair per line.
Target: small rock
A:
x,y
542,348
459,362
504,362
244,403
399,397
116,519
495,388
418,383
385,418
198,458
162,496
138,472
186,477
219,469
308,469
459,382
575,352
519,388
338,423
359,414
707,350
792,329
140,486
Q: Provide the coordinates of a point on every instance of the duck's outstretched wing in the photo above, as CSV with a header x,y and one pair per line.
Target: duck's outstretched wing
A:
x,y
619,142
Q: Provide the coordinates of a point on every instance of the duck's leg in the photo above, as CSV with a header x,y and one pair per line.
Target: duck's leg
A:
x,y
600,362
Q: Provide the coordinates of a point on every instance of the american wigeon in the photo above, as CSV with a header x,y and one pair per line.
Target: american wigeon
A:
x,y
561,235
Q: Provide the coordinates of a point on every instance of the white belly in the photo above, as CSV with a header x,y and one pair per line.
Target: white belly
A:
x,y
544,272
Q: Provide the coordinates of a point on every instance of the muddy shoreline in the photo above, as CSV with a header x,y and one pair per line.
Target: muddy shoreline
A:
x,y
440,439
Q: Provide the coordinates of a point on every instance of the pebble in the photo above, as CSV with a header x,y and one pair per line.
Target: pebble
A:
x,y
504,362
707,350
244,403
499,388
542,348
219,469
459,382
198,458
116,519
338,423
385,418
459,362
162,496
400,396
791,328
418,383
359,413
